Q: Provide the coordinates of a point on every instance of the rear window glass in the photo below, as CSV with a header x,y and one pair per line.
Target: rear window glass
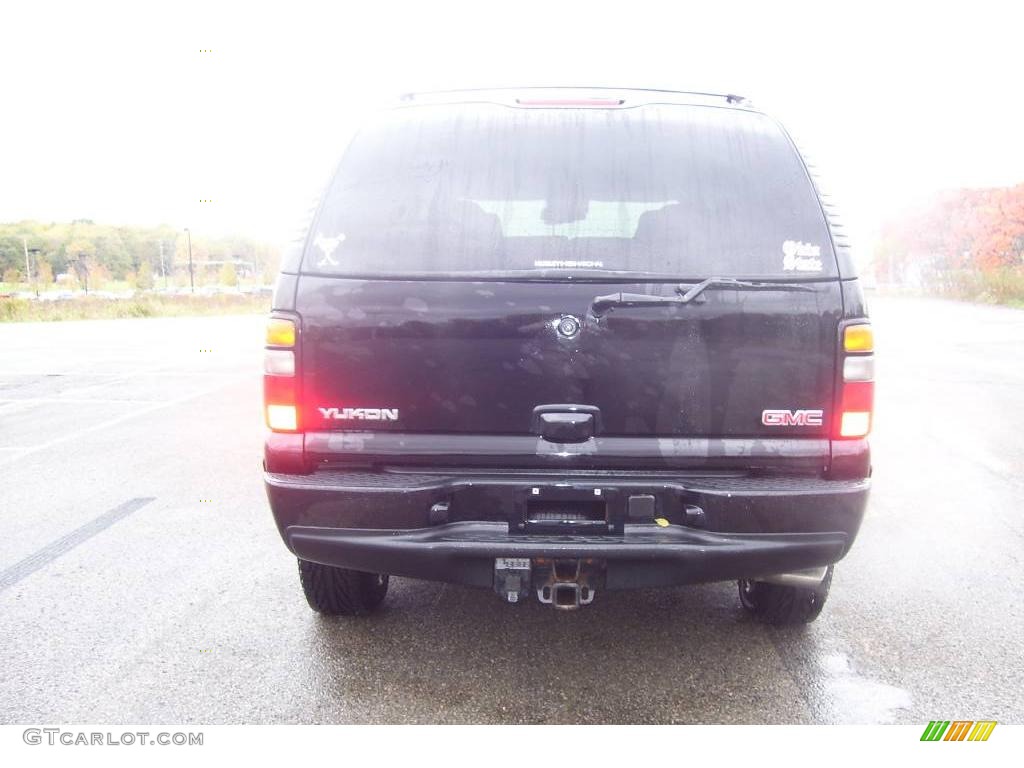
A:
x,y
674,190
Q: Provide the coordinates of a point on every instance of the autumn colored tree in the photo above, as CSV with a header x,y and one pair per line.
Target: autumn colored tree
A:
x,y
44,274
969,229
228,275
144,277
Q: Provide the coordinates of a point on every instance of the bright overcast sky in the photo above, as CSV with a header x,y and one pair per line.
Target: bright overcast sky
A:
x,y
112,113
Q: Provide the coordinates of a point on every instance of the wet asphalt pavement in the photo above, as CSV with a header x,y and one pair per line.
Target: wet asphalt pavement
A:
x,y
142,579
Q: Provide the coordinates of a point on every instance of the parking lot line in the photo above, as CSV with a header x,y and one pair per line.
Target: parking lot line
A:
x,y
79,400
120,419
55,549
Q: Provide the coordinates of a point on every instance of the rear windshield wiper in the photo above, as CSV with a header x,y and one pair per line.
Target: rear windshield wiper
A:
x,y
602,304
740,285
687,293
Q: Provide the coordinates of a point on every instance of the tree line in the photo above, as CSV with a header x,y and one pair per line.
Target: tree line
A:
x,y
82,251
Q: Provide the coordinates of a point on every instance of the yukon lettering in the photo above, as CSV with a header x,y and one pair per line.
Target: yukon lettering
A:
x,y
361,414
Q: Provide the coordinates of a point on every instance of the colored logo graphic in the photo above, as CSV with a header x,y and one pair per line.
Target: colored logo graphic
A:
x,y
958,730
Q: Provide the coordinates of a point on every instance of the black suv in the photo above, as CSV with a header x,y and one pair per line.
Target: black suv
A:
x,y
551,342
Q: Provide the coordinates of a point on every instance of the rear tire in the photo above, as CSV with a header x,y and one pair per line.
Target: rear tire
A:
x,y
340,591
779,605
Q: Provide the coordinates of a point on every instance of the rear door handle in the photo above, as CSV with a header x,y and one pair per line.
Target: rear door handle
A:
x,y
566,423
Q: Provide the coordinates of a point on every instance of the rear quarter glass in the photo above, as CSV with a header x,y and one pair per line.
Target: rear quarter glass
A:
x,y
677,190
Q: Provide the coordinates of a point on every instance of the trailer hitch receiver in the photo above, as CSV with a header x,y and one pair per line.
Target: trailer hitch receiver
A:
x,y
567,584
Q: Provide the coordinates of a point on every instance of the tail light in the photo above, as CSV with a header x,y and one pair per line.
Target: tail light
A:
x,y
857,393
284,442
280,403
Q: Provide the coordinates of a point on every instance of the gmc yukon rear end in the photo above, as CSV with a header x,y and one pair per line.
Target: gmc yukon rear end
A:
x,y
551,343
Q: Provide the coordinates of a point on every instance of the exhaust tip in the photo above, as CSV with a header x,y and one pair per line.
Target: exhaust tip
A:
x,y
809,578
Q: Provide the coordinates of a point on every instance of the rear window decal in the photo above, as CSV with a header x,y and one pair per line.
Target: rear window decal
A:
x,y
561,264
328,245
798,256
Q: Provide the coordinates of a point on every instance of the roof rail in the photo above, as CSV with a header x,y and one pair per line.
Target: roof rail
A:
x,y
730,98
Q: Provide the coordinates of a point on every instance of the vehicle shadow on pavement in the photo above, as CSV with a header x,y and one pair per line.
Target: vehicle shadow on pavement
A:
x,y
438,653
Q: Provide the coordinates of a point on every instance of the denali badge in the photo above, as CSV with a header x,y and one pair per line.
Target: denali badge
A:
x,y
783,418
363,414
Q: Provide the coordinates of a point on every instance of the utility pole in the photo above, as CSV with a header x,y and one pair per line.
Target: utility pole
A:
x,y
82,267
35,255
28,267
163,266
191,276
